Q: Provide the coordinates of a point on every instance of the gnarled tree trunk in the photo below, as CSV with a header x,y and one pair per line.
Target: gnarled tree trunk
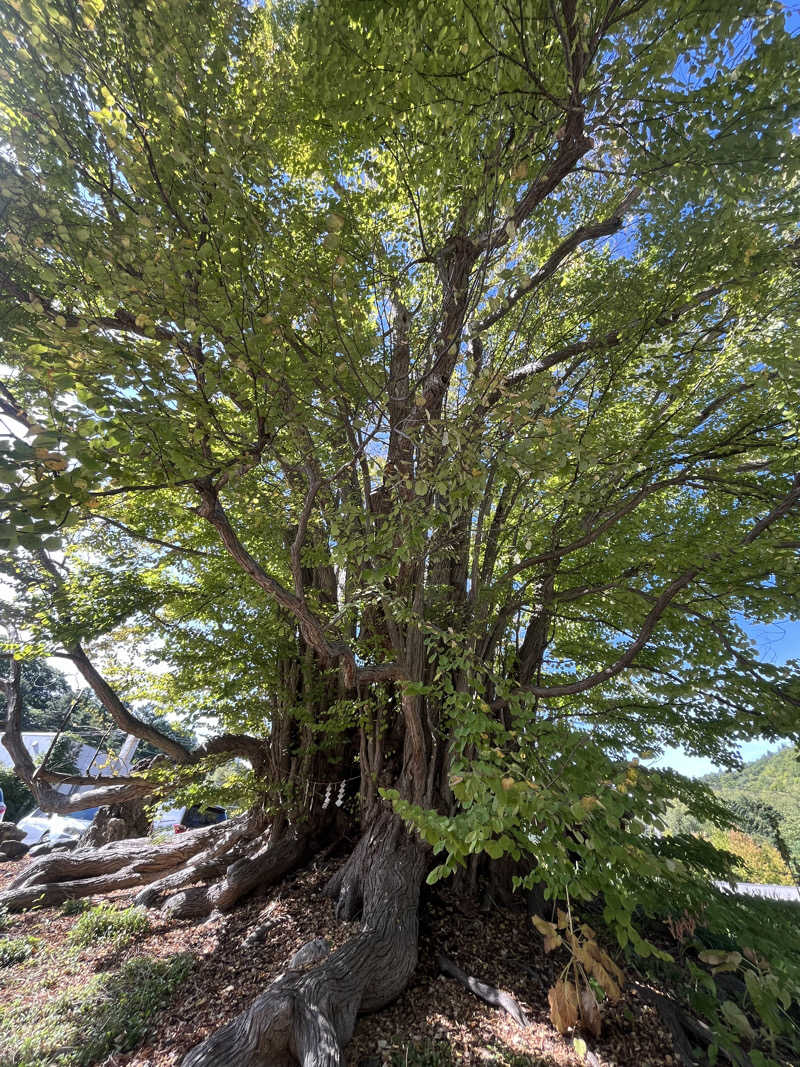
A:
x,y
307,1017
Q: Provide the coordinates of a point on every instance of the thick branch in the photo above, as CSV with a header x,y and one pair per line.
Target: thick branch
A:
x,y
593,232
122,321
113,792
613,338
660,605
9,406
399,456
597,531
312,628
107,695
630,653
601,343
119,713
116,791
574,145
300,536
250,748
778,512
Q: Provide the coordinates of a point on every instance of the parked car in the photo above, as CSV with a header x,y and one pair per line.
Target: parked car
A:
x,y
2,806
179,820
42,826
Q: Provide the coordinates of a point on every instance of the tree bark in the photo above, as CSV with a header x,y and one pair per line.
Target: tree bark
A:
x,y
116,822
262,867
308,1017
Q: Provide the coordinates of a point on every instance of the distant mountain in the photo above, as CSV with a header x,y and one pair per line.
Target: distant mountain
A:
x,y
773,779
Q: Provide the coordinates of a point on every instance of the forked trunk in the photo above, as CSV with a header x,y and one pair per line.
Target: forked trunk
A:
x,y
308,1016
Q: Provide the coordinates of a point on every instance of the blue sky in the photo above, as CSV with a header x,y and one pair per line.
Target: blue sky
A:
x,y
776,643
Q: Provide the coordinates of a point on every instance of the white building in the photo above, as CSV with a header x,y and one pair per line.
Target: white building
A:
x,y
88,760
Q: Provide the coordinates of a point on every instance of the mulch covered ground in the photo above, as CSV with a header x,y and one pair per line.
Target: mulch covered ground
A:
x,y
434,1013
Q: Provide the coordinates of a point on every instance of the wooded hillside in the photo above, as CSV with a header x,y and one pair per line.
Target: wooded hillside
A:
x,y
773,779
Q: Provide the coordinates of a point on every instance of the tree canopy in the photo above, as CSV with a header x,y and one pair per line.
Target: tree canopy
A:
x,y
414,387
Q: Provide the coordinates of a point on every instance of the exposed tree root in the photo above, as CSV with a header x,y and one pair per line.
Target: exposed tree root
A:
x,y
204,866
308,1016
496,997
264,868
228,861
60,876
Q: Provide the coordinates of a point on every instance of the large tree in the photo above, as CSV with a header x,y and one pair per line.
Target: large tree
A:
x,y
417,383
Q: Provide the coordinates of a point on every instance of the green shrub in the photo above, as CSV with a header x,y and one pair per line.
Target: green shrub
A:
x,y
104,922
16,949
76,906
19,799
737,968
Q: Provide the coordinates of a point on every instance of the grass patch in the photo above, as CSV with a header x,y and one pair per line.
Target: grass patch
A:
x,y
104,922
427,1054
440,1054
111,1013
17,949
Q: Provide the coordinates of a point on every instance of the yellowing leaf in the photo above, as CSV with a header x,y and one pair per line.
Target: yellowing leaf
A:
x,y
736,1019
552,941
563,1007
712,958
605,981
545,928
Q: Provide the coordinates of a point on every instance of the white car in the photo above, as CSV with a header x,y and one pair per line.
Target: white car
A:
x,y
40,826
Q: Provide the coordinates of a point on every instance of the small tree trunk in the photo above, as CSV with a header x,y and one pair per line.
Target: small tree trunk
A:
x,y
116,822
307,1017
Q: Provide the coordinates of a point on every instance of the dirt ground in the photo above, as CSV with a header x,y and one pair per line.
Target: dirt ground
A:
x,y
434,1022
